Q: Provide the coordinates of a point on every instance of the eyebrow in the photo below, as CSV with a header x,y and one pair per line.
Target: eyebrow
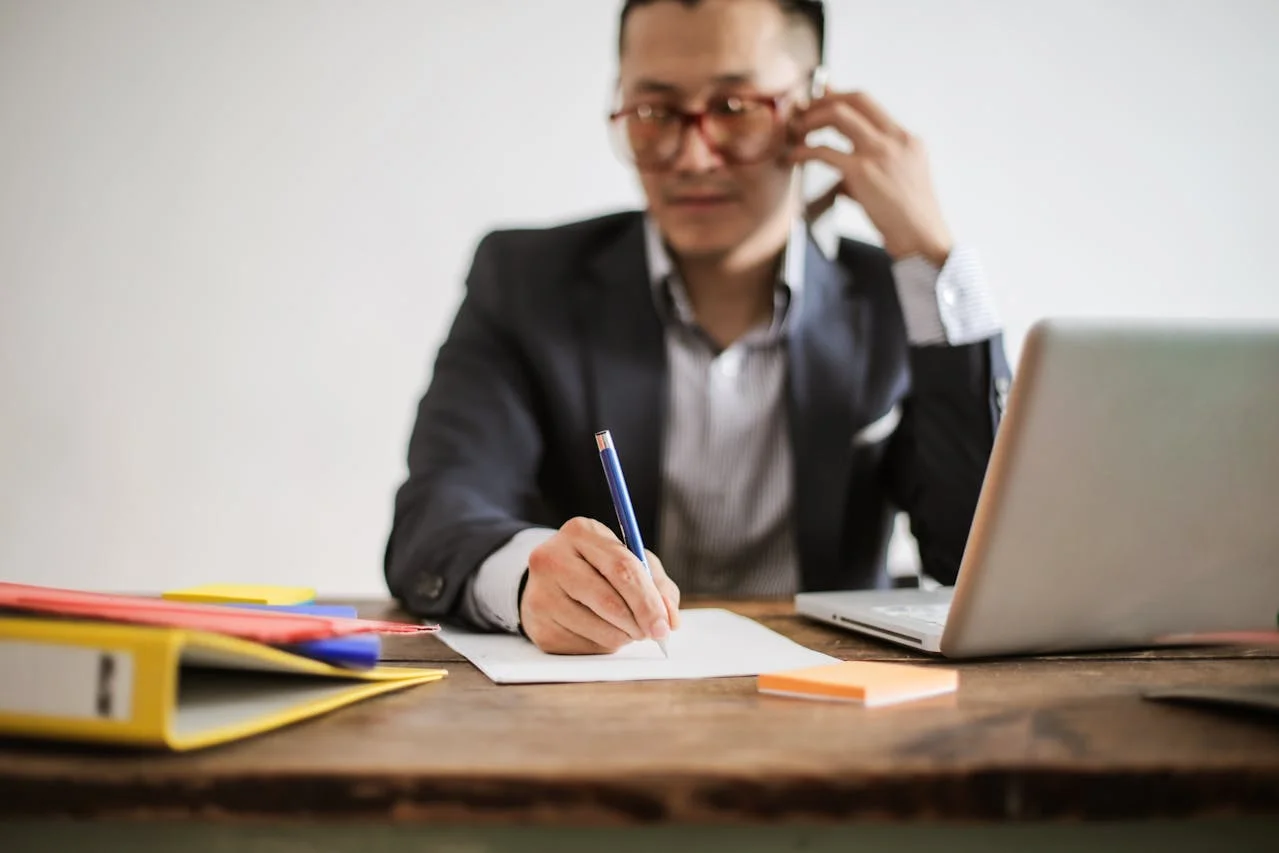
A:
x,y
660,87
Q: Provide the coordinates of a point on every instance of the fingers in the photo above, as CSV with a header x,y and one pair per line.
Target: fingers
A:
x,y
587,588
845,118
666,587
582,622
587,594
553,638
871,108
832,157
886,172
559,625
848,165
865,106
628,576
557,565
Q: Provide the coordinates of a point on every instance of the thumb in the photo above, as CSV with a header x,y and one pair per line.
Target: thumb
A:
x,y
666,587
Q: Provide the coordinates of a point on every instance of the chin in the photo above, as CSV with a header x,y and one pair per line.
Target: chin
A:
x,y
703,238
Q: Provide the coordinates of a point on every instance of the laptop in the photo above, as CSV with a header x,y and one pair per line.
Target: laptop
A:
x,y
1132,493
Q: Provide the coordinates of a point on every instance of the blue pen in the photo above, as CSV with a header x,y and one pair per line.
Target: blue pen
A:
x,y
622,505
356,651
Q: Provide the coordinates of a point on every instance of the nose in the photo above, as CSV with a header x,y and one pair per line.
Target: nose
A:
x,y
695,155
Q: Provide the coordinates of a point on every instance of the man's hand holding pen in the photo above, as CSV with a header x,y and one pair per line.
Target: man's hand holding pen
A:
x,y
588,594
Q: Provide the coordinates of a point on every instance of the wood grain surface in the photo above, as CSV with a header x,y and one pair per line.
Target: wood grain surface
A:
x,y
1036,738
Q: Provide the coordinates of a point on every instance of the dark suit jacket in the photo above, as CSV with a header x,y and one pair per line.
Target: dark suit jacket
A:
x,y
558,337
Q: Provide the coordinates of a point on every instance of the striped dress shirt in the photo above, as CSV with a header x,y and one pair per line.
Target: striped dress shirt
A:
x,y
727,497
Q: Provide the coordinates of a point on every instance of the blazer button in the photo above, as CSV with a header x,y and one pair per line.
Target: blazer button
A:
x,y
431,587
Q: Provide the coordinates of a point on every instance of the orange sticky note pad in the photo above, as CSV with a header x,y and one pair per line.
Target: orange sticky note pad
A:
x,y
863,682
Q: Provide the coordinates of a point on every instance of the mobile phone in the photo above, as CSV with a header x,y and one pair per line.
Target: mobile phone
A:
x,y
817,87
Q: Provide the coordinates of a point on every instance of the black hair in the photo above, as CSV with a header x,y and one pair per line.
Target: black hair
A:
x,y
811,13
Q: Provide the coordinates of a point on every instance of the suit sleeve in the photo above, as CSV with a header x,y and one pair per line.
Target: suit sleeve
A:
x,y
959,377
938,457
473,454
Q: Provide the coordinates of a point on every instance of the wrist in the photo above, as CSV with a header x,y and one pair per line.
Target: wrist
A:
x,y
935,253
934,248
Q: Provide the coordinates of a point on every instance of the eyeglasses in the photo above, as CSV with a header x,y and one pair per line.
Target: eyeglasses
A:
x,y
741,129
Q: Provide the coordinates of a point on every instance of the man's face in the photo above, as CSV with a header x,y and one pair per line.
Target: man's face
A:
x,y
689,58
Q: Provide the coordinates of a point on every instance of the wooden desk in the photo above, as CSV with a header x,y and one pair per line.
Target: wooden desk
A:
x,y
1027,741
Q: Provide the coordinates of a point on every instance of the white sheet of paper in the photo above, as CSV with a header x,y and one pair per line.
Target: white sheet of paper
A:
x,y
710,643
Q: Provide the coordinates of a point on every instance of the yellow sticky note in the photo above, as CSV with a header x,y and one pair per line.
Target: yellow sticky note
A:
x,y
242,593
865,682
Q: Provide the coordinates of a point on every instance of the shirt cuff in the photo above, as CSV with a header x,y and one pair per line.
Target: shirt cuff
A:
x,y
950,306
492,594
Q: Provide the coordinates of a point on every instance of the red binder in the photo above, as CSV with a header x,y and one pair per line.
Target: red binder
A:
x,y
262,626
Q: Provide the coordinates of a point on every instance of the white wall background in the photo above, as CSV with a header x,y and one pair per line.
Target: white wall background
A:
x,y
233,232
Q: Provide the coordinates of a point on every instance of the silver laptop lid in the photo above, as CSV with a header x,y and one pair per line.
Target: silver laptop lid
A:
x,y
1133,492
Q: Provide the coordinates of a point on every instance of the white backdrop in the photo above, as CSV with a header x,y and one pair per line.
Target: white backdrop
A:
x,y
233,232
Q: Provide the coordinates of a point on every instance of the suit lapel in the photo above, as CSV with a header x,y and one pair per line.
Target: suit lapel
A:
x,y
827,376
624,367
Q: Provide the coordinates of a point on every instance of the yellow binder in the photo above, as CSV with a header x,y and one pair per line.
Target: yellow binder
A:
x,y
166,687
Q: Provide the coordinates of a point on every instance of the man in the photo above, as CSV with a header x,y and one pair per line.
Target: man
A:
x,y
772,407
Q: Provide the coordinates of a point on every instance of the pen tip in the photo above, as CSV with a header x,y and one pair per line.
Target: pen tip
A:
x,y
661,644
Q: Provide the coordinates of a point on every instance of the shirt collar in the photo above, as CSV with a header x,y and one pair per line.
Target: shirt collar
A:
x,y
670,292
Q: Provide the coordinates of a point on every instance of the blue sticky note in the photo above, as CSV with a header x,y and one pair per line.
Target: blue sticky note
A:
x,y
356,651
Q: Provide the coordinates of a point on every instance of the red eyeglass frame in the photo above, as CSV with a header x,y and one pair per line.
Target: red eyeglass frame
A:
x,y
697,118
